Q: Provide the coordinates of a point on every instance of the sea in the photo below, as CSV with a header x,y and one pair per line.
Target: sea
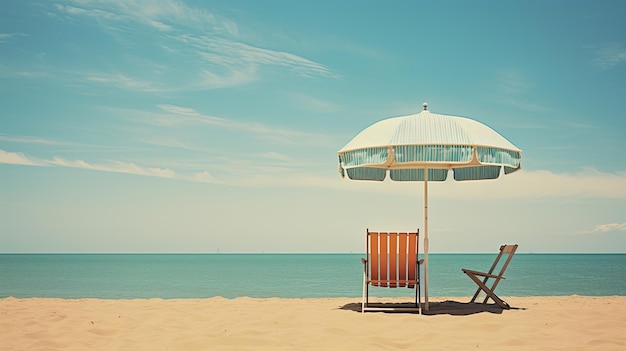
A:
x,y
175,276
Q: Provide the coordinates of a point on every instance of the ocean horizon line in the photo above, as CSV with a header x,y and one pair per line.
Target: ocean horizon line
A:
x,y
289,253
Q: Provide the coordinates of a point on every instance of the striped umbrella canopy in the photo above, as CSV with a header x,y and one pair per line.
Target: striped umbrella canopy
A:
x,y
425,147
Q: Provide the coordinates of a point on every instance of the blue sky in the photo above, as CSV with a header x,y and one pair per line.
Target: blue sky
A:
x,y
206,126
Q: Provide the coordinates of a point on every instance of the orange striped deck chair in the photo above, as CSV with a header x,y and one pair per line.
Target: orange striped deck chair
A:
x,y
392,262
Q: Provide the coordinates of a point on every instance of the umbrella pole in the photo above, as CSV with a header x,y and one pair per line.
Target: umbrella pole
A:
x,y
426,306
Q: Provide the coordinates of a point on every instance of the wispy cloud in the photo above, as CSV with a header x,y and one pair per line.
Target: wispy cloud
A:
x,y
587,183
275,156
6,37
180,115
609,227
605,228
609,55
277,169
512,85
116,166
94,13
7,71
120,81
64,145
177,115
234,172
215,55
29,140
159,14
207,79
513,82
226,52
525,105
204,177
113,166
310,103
17,158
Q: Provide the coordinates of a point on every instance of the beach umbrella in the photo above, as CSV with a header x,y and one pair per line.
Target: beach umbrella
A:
x,y
425,147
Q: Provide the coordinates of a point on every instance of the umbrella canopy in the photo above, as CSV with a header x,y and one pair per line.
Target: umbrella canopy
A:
x,y
425,147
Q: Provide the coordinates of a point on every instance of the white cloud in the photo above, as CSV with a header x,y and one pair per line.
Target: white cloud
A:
x,y
203,177
605,228
138,81
609,55
155,13
29,140
309,103
609,227
235,55
525,105
587,183
513,82
6,37
98,14
514,85
160,26
9,71
179,110
214,54
185,115
116,166
120,81
177,115
32,75
17,158
275,156
211,80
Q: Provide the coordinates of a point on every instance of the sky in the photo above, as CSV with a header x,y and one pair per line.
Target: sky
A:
x,y
213,126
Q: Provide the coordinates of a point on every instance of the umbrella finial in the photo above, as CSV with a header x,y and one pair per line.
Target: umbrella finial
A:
x,y
425,106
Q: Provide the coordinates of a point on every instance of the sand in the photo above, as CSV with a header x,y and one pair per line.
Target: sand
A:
x,y
534,323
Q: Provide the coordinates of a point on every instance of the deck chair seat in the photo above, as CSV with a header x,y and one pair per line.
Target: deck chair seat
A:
x,y
469,271
508,250
392,262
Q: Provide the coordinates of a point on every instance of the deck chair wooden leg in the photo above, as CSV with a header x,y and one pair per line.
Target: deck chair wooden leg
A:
x,y
493,288
489,292
478,291
476,295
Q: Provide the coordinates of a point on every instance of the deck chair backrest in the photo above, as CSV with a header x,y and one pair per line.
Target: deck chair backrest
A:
x,y
392,258
504,250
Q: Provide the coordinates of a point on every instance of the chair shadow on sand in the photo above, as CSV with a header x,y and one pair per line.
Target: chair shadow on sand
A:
x,y
449,307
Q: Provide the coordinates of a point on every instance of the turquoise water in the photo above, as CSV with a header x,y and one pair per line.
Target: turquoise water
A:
x,y
127,276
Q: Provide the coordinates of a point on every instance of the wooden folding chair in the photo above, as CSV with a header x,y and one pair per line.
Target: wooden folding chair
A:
x,y
482,284
392,261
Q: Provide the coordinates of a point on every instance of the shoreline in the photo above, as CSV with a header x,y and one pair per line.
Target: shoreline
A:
x,y
538,322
